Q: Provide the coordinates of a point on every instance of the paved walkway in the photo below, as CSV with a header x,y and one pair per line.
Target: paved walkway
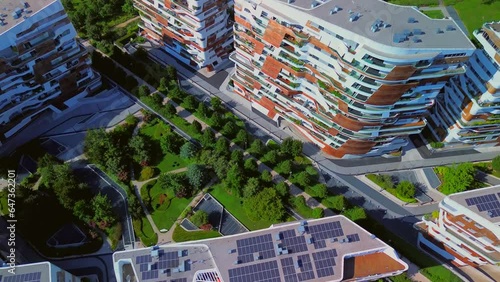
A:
x,y
441,7
123,24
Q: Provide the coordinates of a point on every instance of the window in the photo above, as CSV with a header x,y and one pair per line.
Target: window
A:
x,y
264,14
321,27
317,48
246,10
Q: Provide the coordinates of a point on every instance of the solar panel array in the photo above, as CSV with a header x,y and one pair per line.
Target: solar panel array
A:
x,y
319,244
179,280
294,244
26,277
266,271
288,270
305,264
263,245
166,260
488,203
353,237
324,261
153,274
326,230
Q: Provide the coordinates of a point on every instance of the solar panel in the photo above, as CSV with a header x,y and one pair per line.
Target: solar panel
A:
x,y
288,270
306,268
326,230
324,261
266,271
263,245
486,203
293,243
319,244
25,277
353,237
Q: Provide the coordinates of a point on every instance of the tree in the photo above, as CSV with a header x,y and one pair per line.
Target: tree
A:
x,y
250,165
163,87
355,213
235,179
221,147
202,110
147,172
282,189
196,175
406,189
220,166
257,148
170,110
175,93
337,203
170,143
141,150
319,191
286,146
229,129
188,150
172,181
216,103
296,149
216,120
285,167
207,157
318,213
271,157
495,163
242,138
458,178
252,187
97,142
81,210
114,160
172,73
134,207
157,100
237,157
208,137
196,126
102,208
190,102
266,205
199,218
143,91
266,176
303,179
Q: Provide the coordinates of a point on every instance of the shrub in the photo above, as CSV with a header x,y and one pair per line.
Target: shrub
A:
x,y
406,189
146,173
437,145
495,163
199,218
131,119
318,213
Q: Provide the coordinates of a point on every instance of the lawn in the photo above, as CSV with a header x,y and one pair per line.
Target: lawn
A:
x,y
164,215
392,191
3,202
181,235
419,3
234,206
434,14
169,161
145,231
474,12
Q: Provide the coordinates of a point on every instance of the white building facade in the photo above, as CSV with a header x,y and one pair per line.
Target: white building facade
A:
x,y
41,64
196,32
355,78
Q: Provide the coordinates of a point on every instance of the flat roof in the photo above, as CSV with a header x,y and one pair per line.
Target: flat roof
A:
x,y
394,21
9,7
313,249
484,202
27,272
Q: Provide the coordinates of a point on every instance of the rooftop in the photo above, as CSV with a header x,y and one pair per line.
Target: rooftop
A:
x,y
14,12
27,272
385,23
297,251
484,202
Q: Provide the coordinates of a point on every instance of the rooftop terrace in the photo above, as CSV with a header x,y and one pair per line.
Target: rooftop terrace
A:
x,y
14,12
385,23
313,250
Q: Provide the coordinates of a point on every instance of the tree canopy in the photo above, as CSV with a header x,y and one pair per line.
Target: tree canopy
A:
x,y
266,205
199,218
405,189
457,178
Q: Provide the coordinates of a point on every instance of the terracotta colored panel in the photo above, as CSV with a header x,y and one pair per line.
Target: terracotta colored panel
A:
x,y
275,33
242,22
347,122
491,89
497,58
371,264
271,67
308,24
333,131
389,94
167,4
401,73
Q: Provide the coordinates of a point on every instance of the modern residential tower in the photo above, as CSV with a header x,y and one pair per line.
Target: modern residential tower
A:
x,y
42,67
467,230
197,32
327,249
468,111
355,77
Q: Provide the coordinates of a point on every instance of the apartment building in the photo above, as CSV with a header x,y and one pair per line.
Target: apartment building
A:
x,y
468,111
37,272
42,67
355,77
196,32
327,249
467,230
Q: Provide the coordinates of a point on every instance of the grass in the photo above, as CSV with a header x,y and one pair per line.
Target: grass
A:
x,y
165,215
434,14
181,235
392,191
145,232
419,3
486,168
304,210
474,12
3,202
233,205
114,234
